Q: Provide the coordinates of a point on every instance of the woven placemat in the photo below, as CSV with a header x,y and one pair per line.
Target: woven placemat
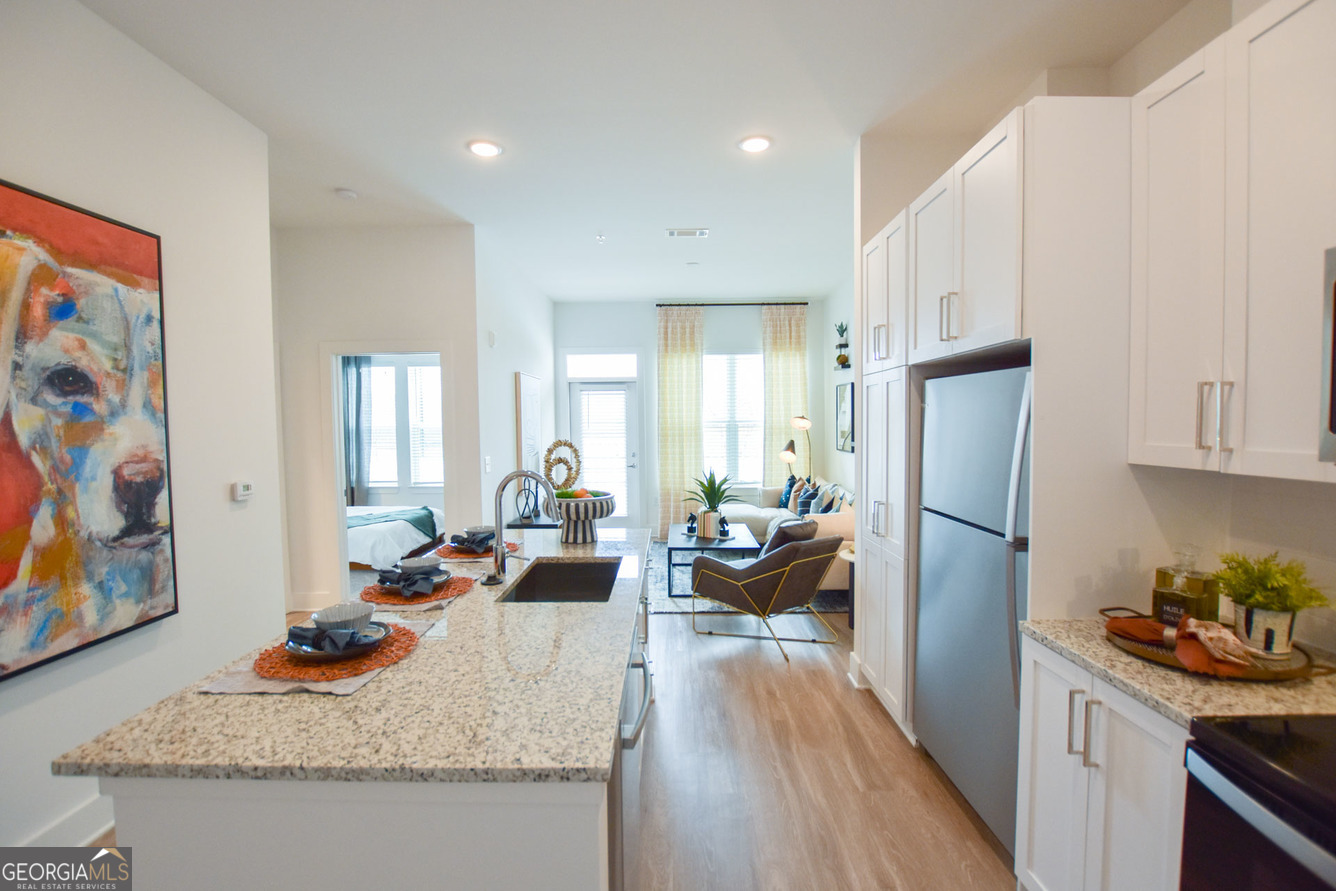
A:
x,y
390,596
277,662
450,552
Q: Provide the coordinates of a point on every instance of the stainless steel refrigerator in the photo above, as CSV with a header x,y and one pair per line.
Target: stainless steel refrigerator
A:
x,y
973,539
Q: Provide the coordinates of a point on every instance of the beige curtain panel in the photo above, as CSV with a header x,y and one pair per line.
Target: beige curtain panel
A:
x,y
784,344
681,343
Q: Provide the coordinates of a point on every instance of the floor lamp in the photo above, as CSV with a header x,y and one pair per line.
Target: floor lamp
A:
x,y
790,455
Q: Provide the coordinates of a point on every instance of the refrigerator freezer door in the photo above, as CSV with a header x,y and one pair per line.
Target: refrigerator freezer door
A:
x,y
964,711
969,434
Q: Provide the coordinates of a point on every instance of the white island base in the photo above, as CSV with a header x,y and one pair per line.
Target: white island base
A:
x,y
297,834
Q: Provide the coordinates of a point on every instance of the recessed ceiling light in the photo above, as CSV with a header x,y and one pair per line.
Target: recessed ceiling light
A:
x,y
755,144
346,194
601,238
485,149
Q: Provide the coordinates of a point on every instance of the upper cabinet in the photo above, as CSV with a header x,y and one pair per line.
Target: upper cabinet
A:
x,y
965,250
883,313
1233,205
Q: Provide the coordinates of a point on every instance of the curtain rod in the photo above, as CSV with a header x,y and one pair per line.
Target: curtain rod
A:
x,y
754,303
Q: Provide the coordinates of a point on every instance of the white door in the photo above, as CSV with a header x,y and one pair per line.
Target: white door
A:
x,y
874,334
1134,833
1052,783
1280,216
605,428
987,308
931,270
1178,264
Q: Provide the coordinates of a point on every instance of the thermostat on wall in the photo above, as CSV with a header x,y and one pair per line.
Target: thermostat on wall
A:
x,y
241,491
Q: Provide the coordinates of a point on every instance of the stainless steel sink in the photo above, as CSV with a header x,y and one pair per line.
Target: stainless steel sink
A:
x,y
558,581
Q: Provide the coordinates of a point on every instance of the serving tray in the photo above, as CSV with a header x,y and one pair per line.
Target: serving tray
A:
x,y
1298,665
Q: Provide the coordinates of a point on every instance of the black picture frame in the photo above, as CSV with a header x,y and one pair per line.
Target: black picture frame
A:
x,y
844,417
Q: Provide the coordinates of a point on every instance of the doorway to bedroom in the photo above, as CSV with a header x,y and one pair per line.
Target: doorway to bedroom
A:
x,y
390,457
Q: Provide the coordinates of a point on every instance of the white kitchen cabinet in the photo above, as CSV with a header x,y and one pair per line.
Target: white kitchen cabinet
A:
x,y
965,250
1234,202
881,643
1177,317
883,306
1101,783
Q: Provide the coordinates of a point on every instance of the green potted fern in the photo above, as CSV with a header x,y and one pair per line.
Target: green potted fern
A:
x,y
1267,594
710,493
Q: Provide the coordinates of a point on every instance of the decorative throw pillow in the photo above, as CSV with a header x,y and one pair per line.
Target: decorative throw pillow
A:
x,y
788,531
807,501
828,506
798,488
788,491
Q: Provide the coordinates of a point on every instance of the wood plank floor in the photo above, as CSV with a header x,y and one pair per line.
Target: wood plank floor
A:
x,y
763,774
759,773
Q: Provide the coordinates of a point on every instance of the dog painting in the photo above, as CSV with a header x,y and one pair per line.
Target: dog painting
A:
x,y
85,502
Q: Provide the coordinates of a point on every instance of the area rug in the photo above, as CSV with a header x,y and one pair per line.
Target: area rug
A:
x,y
660,602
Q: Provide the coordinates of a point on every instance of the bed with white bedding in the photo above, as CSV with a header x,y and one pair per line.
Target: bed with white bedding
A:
x,y
380,545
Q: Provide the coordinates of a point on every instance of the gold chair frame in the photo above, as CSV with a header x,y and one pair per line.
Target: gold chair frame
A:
x,y
764,613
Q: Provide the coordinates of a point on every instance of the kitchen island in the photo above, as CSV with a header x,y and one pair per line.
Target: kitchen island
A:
x,y
482,759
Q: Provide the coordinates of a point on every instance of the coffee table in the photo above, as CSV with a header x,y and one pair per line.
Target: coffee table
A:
x,y
740,540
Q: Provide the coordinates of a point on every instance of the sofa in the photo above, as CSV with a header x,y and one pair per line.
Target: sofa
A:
x,y
760,512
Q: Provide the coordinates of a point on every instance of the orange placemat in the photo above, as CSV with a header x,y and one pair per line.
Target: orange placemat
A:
x,y
450,552
277,662
389,594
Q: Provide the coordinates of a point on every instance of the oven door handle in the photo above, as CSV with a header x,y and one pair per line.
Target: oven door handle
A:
x,y
1298,846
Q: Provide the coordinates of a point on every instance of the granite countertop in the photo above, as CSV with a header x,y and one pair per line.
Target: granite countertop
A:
x,y
514,692
1178,695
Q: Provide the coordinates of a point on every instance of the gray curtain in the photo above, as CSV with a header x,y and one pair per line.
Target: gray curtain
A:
x,y
356,417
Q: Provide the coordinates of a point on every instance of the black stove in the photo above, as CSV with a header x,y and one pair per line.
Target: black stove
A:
x,y
1264,788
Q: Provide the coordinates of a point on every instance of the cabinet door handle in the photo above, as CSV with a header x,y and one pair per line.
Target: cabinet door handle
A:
x,y
886,518
1199,443
1086,760
943,319
876,518
1221,429
878,351
1071,721
952,315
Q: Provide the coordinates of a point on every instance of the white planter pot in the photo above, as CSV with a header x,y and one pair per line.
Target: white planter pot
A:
x,y
1267,631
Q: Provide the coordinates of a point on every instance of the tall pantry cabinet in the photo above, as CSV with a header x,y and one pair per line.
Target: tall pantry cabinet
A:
x,y
880,637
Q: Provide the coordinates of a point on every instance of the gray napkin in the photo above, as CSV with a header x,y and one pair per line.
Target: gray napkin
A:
x,y
473,544
333,641
413,581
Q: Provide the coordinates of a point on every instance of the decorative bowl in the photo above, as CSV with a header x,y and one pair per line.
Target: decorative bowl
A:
x,y
347,616
578,515
412,564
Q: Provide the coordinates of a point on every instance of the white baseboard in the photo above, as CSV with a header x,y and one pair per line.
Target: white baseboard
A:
x,y
78,827
856,672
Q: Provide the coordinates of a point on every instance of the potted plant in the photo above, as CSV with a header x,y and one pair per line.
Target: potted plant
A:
x,y
1267,594
842,348
710,493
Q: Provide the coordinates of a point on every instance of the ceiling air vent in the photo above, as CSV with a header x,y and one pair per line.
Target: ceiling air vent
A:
x,y
688,233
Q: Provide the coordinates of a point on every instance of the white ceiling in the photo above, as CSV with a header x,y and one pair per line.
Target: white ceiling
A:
x,y
616,117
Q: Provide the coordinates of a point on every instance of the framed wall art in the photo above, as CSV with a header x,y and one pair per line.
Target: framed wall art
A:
x,y
85,493
844,417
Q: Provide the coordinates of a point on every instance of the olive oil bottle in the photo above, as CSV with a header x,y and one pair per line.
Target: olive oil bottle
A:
x,y
1182,590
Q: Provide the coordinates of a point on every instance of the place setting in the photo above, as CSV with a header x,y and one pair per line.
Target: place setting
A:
x,y
339,653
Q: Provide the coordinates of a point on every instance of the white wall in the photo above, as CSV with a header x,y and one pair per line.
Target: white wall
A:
x,y
105,126
367,290
515,324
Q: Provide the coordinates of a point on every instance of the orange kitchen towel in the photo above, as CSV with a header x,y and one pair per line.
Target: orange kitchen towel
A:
x,y
1138,629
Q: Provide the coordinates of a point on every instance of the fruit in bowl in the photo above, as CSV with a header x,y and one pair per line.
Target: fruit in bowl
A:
x,y
581,493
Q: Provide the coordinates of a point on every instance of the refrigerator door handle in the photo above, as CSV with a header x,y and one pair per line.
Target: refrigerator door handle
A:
x,y
1017,459
1013,643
